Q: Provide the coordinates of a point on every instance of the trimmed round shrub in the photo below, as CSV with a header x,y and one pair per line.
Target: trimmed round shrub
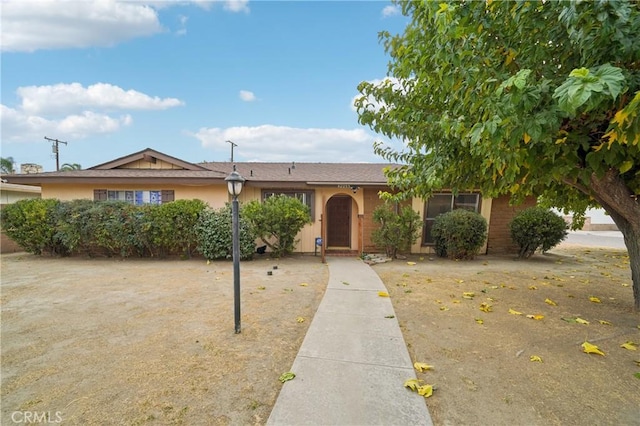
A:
x,y
459,234
537,228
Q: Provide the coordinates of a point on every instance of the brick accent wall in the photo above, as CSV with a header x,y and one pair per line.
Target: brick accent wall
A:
x,y
499,238
7,245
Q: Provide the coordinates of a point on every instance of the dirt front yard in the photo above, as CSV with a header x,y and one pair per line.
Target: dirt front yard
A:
x,y
136,342
100,342
504,336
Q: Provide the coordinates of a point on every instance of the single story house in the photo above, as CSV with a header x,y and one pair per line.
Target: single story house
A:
x,y
341,196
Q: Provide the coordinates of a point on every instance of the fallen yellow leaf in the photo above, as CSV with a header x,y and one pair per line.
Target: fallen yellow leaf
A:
x,y
303,284
459,281
300,319
533,287
589,348
581,321
485,307
550,302
383,294
535,358
422,367
285,377
444,308
512,312
468,295
262,287
536,317
594,299
629,346
411,263
426,391
423,390
479,321
412,384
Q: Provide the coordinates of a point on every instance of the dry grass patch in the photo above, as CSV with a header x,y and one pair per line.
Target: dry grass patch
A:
x,y
484,372
151,342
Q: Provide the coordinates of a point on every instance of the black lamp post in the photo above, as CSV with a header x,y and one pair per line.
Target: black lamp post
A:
x,y
235,182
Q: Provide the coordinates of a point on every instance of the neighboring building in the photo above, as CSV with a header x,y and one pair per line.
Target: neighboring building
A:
x,y
341,196
10,193
28,168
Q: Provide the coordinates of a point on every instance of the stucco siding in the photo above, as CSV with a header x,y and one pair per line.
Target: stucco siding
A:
x,y
214,195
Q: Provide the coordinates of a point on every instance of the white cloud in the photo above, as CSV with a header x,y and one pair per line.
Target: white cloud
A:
x,y
391,10
74,111
64,98
183,25
372,103
18,126
282,143
247,96
236,5
29,25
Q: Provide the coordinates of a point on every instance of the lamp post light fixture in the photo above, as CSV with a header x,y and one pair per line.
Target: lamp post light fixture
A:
x,y
234,183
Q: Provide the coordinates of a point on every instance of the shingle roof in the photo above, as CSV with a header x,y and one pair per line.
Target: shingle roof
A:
x,y
206,172
310,173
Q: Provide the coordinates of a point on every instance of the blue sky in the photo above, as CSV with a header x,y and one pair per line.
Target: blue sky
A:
x,y
114,77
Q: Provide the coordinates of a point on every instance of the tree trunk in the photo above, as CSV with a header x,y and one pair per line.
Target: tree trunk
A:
x,y
632,240
624,208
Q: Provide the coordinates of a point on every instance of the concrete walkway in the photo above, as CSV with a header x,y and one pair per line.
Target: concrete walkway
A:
x,y
353,361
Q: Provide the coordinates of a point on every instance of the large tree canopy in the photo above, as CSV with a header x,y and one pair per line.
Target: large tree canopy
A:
x,y
524,98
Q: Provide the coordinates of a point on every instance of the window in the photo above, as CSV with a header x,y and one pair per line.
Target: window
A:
x,y
137,197
443,203
306,197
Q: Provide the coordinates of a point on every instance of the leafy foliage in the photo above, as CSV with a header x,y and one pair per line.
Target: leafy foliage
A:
x,y
66,167
31,224
108,228
277,221
528,98
215,236
171,227
7,165
537,228
459,234
397,231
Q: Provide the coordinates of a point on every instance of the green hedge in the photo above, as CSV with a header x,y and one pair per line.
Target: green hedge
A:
x,y
111,228
277,221
31,224
459,234
537,228
215,236
397,231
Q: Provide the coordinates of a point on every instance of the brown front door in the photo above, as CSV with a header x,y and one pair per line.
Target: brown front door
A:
x,y
339,221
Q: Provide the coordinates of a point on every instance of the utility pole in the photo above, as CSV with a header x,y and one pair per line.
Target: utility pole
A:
x,y
54,148
232,146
